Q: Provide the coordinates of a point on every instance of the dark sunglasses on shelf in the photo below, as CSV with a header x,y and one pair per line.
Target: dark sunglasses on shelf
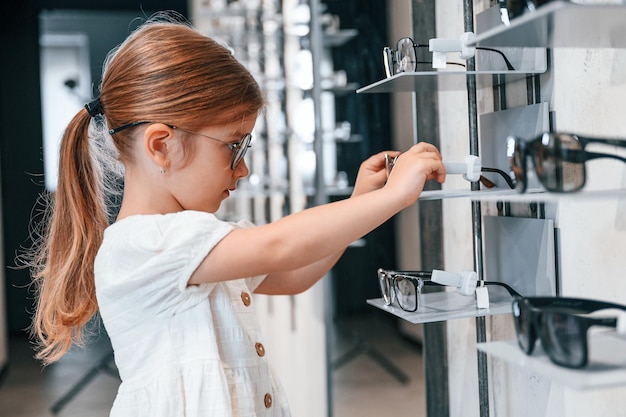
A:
x,y
510,9
404,57
560,324
391,161
558,159
405,287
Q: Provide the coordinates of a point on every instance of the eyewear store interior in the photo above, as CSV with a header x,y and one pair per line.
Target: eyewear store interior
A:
x,y
520,213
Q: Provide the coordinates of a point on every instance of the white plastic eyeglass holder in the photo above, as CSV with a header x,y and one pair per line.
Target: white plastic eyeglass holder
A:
x,y
440,47
466,284
470,168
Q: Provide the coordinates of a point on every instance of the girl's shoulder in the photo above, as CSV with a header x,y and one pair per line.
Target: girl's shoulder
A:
x,y
185,218
179,226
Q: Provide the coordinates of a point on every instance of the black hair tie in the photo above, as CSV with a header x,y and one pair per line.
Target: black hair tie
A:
x,y
94,108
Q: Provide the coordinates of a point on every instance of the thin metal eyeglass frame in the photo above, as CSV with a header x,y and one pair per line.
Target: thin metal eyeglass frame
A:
x,y
391,58
389,55
238,149
390,162
535,311
520,150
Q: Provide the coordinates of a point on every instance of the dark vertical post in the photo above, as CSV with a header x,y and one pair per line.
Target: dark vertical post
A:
x,y
483,378
435,355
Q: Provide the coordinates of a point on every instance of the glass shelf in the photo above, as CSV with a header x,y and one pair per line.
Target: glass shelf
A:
x,y
494,193
607,361
449,305
562,24
439,80
541,195
536,195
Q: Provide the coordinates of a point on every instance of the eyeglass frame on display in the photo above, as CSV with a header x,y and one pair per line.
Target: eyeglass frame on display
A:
x,y
390,64
392,60
417,279
390,162
239,149
519,150
536,310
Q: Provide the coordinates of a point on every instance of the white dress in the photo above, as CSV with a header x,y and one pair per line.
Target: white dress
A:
x,y
181,350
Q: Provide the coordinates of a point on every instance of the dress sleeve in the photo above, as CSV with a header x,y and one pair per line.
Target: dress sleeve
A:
x,y
148,265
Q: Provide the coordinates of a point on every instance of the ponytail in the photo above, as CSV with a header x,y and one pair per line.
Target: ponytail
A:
x,y
71,233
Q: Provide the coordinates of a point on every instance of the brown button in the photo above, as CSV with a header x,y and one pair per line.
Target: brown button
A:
x,y
260,349
245,297
267,400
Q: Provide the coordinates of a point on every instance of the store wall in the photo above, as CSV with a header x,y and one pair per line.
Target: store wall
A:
x,y
586,89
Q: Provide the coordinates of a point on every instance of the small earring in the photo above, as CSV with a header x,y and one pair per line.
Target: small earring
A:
x,y
161,170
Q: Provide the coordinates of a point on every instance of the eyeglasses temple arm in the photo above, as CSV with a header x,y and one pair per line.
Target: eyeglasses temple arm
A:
x,y
128,126
606,141
576,305
595,155
507,287
508,64
603,321
420,274
503,174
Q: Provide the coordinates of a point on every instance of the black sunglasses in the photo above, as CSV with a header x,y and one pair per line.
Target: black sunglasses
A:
x,y
510,9
405,287
404,57
558,323
558,158
238,149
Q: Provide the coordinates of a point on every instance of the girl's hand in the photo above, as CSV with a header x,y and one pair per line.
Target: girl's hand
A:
x,y
422,162
372,173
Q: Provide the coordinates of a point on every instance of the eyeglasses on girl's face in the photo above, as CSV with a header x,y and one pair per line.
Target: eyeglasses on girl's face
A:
x,y
558,158
561,326
404,57
238,149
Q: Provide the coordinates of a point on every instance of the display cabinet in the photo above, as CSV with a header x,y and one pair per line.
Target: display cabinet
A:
x,y
555,25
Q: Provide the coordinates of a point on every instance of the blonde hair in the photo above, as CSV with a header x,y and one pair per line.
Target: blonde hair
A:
x,y
164,71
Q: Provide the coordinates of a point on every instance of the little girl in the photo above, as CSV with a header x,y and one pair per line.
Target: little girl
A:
x,y
171,281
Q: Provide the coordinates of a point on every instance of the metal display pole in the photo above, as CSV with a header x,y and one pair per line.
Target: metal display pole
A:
x,y
316,45
434,335
481,333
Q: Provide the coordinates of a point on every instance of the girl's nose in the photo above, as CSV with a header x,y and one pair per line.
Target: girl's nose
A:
x,y
242,169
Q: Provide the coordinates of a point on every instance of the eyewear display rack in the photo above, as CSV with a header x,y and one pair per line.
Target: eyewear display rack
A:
x,y
556,25
553,25
438,307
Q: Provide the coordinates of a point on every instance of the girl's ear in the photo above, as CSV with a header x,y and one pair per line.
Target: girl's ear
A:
x,y
157,142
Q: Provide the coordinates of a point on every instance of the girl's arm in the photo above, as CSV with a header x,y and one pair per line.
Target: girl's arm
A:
x,y
372,176
320,233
